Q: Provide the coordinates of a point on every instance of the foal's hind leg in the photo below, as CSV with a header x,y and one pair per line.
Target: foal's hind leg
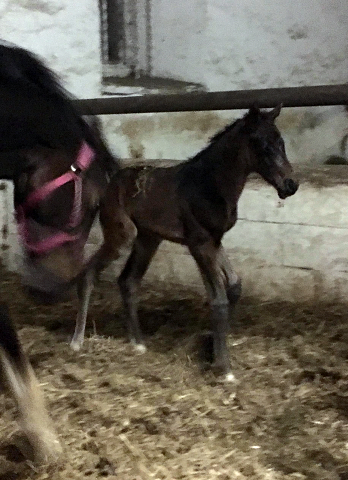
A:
x,y
144,248
84,290
119,231
207,258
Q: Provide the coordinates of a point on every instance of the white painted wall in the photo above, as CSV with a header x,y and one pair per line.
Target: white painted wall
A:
x,y
64,32
178,30
243,44
251,43
262,44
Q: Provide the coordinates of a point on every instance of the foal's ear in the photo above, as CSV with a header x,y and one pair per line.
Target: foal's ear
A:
x,y
273,114
254,111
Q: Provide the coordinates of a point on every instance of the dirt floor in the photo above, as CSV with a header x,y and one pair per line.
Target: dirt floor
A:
x,y
161,416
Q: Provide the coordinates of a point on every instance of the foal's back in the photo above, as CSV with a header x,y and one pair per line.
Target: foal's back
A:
x,y
173,202
150,197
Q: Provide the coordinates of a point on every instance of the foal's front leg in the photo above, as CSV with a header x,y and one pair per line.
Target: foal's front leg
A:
x,y
207,258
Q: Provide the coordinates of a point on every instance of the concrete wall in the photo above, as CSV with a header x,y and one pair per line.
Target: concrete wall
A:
x,y
242,45
64,32
178,30
258,44
246,43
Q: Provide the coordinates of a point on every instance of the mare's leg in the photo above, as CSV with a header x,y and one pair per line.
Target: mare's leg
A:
x,y
118,231
144,248
207,258
27,393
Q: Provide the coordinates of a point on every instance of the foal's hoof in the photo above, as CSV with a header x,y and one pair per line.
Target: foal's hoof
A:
x,y
76,346
139,347
227,379
47,450
230,378
225,376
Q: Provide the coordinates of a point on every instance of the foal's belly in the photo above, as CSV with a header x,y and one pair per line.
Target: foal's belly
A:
x,y
159,215
165,226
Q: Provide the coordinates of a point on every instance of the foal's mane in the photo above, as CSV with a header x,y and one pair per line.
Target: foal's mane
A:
x,y
199,160
228,129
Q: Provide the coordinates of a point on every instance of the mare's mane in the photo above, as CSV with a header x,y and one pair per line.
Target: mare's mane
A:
x,y
22,71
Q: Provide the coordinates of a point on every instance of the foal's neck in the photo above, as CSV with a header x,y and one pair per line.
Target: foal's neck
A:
x,y
232,169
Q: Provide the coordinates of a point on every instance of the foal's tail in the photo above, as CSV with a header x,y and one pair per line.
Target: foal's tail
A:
x,y
26,392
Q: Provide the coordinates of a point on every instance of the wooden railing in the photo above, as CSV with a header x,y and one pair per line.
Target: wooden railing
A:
x,y
227,100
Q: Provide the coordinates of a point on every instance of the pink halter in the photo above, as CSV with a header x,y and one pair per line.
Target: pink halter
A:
x,y
83,161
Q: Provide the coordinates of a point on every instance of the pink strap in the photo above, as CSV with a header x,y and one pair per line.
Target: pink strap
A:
x,y
44,245
83,161
85,156
41,193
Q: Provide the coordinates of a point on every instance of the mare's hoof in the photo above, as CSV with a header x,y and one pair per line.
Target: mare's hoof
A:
x,y
41,447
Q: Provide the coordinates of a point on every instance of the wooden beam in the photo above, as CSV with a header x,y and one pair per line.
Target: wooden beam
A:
x,y
229,100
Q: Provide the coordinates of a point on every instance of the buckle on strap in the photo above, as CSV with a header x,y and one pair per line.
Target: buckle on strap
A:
x,y
75,169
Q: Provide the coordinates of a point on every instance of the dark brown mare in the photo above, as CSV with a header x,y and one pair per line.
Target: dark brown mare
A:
x,y
193,203
60,167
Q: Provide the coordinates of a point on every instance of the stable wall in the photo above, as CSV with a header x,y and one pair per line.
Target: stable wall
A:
x,y
244,44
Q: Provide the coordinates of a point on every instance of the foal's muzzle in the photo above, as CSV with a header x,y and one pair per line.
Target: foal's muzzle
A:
x,y
288,188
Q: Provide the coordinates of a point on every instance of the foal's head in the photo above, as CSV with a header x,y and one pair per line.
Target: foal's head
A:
x,y
267,151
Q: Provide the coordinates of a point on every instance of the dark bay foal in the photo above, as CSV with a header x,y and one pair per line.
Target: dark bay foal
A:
x,y
193,203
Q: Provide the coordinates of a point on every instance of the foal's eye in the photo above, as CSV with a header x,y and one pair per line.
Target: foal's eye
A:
x,y
267,149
